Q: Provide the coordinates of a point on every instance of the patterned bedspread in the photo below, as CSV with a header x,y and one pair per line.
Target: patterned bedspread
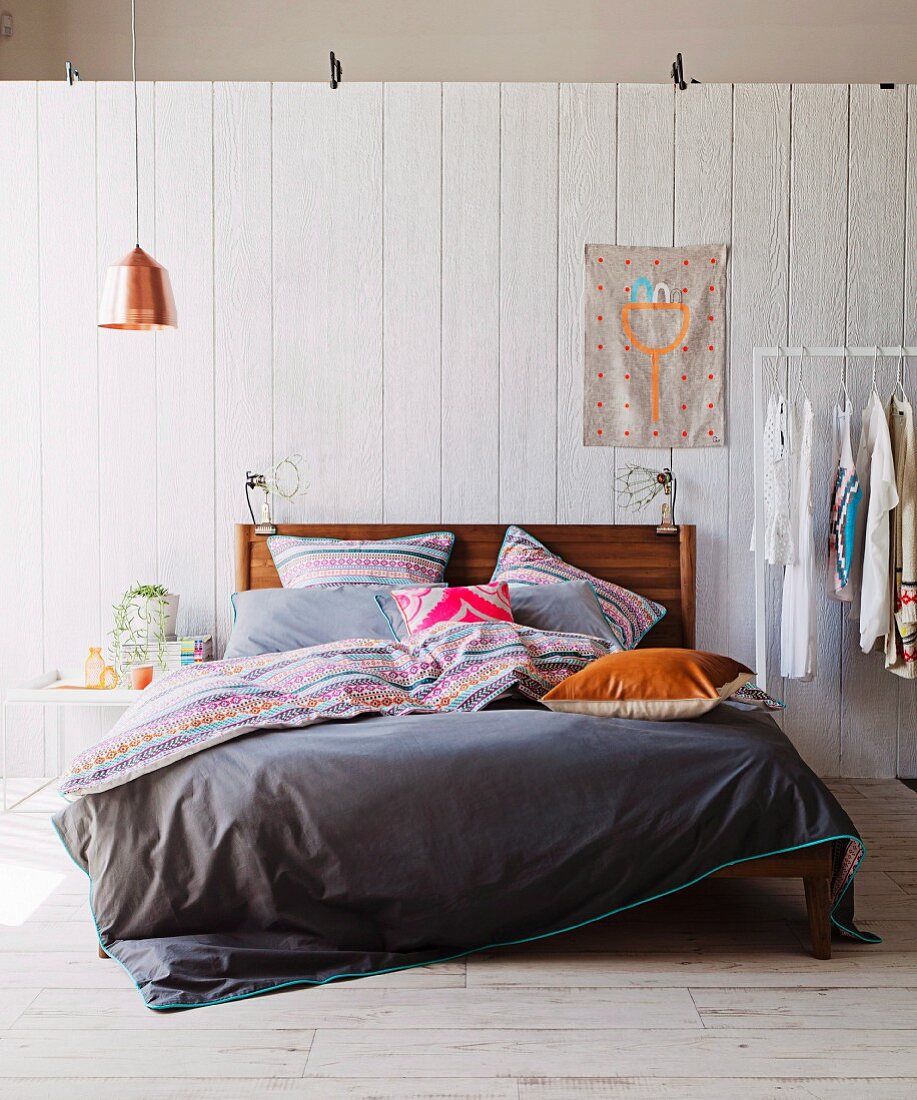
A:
x,y
451,667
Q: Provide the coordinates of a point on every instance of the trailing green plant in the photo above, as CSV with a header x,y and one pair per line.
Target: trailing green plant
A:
x,y
131,629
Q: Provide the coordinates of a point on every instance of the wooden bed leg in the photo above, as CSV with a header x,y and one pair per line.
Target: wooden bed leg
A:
x,y
103,954
818,905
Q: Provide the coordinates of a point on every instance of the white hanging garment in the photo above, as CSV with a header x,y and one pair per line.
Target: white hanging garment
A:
x,y
901,640
797,613
846,497
875,591
778,533
864,467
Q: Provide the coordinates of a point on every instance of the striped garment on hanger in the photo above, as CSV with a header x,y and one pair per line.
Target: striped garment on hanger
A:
x,y
845,501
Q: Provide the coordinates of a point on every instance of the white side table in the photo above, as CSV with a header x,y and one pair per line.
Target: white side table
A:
x,y
57,690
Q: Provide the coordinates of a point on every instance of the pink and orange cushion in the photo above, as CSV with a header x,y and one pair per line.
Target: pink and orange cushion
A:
x,y
422,608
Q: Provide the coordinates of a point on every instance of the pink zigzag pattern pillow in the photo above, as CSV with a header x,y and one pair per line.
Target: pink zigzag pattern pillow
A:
x,y
422,608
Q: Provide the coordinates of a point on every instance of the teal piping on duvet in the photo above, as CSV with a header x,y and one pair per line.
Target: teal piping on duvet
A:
x,y
865,937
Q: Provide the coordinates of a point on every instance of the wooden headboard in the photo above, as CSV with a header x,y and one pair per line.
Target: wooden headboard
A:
x,y
658,566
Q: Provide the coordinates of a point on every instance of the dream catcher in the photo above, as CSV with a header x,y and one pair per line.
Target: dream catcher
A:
x,y
639,486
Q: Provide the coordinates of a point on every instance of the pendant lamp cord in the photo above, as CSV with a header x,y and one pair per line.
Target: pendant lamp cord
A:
x,y
136,123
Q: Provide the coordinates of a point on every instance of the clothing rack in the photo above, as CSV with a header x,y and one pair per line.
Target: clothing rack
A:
x,y
759,354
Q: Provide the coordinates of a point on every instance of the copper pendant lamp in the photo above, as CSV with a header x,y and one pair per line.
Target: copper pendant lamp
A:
x,y
137,295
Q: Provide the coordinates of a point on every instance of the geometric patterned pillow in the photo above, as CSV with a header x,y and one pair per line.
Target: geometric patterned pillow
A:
x,y
422,608
753,696
332,563
525,560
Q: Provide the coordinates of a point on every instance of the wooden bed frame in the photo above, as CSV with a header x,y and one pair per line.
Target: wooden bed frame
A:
x,y
659,566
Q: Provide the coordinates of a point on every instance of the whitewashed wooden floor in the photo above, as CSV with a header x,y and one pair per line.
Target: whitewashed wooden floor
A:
x,y
707,995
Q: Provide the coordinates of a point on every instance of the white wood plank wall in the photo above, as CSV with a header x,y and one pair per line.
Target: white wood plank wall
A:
x,y
387,279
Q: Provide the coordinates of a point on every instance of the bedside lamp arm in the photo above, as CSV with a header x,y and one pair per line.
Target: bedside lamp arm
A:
x,y
252,481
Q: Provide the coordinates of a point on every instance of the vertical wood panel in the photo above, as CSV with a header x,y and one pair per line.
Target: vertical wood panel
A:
x,y
127,360
328,293
818,255
412,264
184,356
242,313
528,303
907,691
69,382
586,212
760,211
471,303
20,400
703,215
646,216
875,242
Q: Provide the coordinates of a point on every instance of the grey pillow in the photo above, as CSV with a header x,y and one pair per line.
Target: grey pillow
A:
x,y
275,620
569,607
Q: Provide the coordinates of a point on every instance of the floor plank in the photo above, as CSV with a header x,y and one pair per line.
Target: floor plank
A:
x,y
355,1006
60,970
13,1002
75,935
177,1088
750,967
874,912
451,975
143,1054
726,1088
526,1053
860,1009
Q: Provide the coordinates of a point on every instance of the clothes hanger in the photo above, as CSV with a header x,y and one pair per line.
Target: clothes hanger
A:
x,y
899,379
848,404
875,362
800,385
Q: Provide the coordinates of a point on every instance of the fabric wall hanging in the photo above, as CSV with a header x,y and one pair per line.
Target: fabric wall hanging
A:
x,y
655,356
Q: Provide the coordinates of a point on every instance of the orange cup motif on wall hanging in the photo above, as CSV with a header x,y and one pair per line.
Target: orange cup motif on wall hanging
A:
x,y
656,326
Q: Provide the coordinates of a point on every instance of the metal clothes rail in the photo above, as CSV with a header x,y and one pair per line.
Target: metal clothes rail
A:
x,y
759,354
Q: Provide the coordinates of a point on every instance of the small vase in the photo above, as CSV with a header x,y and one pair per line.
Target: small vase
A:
x,y
94,667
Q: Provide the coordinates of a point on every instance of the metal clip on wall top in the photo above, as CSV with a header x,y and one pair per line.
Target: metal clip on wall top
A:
x,y
72,74
335,71
678,74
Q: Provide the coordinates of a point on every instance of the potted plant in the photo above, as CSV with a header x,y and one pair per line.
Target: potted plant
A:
x,y
144,617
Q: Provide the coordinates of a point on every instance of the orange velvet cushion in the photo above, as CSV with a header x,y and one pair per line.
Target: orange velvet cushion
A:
x,y
657,684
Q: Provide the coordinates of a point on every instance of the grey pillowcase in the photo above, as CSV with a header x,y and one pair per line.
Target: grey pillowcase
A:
x,y
276,620
568,607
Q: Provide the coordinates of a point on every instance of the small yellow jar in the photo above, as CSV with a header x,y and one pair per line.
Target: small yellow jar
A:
x,y
94,667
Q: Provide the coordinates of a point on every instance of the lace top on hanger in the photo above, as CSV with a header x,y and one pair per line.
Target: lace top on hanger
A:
x,y
778,528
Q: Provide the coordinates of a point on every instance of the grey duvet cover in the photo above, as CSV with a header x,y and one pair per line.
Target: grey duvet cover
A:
x,y
348,848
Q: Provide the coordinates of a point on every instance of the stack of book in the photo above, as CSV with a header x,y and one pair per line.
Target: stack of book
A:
x,y
177,652
190,650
